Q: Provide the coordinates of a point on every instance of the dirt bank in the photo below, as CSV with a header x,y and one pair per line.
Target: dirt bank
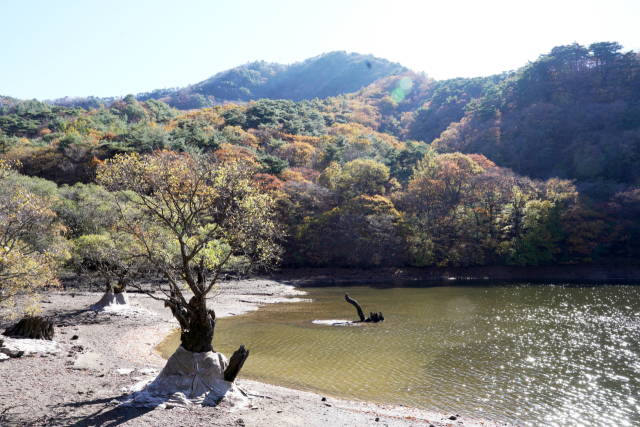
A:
x,y
108,352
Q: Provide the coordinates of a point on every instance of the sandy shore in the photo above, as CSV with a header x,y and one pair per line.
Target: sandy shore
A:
x,y
107,352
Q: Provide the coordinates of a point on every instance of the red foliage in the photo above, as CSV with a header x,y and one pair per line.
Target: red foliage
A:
x,y
268,182
307,173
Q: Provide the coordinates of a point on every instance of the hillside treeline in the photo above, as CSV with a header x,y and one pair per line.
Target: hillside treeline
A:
x,y
406,171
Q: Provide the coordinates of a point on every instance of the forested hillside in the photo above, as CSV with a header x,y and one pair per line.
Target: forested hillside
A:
x,y
405,171
574,113
326,75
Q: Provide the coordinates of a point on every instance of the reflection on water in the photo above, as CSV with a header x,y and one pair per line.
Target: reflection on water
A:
x,y
532,355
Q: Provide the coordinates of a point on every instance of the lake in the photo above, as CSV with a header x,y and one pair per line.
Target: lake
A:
x,y
528,354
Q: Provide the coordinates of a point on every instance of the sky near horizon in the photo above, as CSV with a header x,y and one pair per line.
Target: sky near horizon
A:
x,y
52,49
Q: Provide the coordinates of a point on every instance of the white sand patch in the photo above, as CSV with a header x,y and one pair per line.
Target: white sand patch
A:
x,y
14,347
336,322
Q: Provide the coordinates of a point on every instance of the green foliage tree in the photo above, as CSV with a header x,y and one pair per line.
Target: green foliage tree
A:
x,y
293,118
6,142
159,111
31,246
113,255
272,164
362,177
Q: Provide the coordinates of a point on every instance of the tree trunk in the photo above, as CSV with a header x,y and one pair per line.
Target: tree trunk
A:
x,y
119,288
235,364
31,327
199,337
356,305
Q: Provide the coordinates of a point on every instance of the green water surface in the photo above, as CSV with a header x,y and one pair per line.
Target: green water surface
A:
x,y
528,354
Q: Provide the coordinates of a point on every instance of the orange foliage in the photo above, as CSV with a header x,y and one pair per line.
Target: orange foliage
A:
x,y
95,162
210,115
233,153
355,109
297,153
482,161
291,175
356,130
93,137
109,136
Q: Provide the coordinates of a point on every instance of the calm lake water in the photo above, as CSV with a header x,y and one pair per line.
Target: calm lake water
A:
x,y
529,354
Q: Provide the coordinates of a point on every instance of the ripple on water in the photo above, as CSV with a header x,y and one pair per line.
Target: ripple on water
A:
x,y
533,355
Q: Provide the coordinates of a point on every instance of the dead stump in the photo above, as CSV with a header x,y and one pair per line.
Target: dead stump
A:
x,y
235,364
31,327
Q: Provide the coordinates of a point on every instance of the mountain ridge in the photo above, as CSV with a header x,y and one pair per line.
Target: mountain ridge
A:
x,y
328,74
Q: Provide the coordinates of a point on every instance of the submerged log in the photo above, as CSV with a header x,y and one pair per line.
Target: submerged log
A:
x,y
235,364
357,306
31,327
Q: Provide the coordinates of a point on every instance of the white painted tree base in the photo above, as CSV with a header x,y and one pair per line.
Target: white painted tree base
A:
x,y
110,299
118,304
190,379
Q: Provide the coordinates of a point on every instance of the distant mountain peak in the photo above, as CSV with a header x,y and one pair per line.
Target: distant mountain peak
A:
x,y
328,74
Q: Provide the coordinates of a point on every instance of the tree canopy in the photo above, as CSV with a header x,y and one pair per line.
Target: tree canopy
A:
x,y
190,218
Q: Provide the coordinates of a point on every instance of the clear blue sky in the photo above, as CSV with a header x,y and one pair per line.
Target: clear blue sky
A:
x,y
56,48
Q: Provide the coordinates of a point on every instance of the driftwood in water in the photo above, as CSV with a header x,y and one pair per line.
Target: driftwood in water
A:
x,y
357,306
31,327
376,317
235,364
373,317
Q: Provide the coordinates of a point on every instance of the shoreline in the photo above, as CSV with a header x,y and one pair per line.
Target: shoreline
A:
x,y
577,273
108,352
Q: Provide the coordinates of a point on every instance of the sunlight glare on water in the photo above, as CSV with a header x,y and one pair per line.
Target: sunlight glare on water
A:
x,y
533,355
